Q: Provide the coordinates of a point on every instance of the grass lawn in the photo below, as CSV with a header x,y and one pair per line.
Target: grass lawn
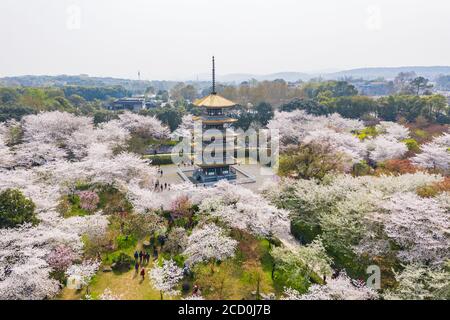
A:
x,y
129,285
235,278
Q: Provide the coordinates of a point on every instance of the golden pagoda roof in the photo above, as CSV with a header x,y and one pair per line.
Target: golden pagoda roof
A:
x,y
214,101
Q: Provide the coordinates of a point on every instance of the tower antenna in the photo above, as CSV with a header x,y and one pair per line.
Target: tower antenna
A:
x,y
213,76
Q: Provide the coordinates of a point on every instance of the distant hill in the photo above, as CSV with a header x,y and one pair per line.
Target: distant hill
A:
x,y
388,73
84,80
241,77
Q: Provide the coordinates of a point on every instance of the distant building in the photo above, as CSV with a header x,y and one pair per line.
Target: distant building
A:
x,y
374,88
132,104
151,104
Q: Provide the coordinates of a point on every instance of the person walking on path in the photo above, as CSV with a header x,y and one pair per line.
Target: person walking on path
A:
x,y
136,268
140,257
143,273
136,256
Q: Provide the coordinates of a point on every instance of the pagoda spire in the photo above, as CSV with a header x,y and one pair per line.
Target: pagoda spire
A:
x,y
213,76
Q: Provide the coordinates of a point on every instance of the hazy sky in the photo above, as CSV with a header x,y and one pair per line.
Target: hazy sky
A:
x,y
174,39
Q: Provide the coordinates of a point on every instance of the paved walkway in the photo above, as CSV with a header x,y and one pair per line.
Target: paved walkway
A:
x,y
260,173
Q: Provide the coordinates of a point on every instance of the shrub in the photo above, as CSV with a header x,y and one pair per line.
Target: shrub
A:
x,y
182,211
16,209
113,201
421,133
138,225
69,206
361,169
186,287
412,145
367,133
304,231
428,191
177,240
396,166
88,200
179,260
291,273
434,189
121,262
125,242
160,159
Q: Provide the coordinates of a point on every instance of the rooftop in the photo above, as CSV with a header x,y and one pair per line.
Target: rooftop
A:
x,y
214,101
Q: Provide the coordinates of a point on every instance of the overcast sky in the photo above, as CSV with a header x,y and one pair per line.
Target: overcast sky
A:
x,y
174,39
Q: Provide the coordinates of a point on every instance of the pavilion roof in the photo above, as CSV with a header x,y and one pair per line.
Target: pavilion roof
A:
x,y
214,101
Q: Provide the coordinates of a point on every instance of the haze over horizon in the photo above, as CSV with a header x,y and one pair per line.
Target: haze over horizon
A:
x,y
174,39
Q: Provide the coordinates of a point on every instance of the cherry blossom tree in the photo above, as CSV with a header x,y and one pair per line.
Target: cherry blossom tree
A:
x,y
36,153
343,207
339,142
185,129
110,134
433,156
443,140
392,130
383,148
88,200
165,278
79,275
61,257
340,288
52,127
209,242
113,134
144,198
296,125
243,209
29,281
28,253
143,125
419,282
24,270
57,151
6,157
419,226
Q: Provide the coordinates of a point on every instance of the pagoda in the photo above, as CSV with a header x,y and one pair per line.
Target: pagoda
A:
x,y
214,159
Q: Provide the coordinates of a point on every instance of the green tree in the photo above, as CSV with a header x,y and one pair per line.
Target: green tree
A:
x,y
184,92
264,113
8,112
420,84
171,116
309,105
15,209
244,118
353,107
310,161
